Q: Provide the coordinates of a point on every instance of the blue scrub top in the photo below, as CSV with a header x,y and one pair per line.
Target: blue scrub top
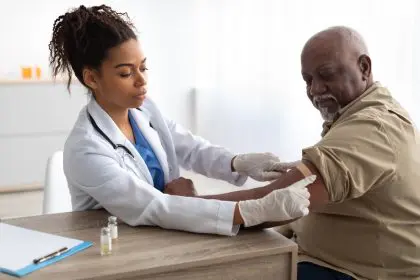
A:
x,y
149,157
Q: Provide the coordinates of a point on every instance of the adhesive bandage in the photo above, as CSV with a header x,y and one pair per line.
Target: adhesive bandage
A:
x,y
304,169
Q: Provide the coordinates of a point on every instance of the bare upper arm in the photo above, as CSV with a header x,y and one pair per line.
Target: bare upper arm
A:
x,y
318,191
319,194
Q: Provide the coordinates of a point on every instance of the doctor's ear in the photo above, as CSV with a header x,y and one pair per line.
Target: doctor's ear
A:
x,y
90,78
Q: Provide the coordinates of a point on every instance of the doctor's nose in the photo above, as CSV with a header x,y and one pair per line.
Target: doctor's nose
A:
x,y
141,79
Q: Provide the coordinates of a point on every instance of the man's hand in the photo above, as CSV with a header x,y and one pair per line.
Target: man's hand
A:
x,y
260,167
181,187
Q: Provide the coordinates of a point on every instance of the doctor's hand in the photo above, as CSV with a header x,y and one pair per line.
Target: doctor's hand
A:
x,y
181,187
260,167
279,205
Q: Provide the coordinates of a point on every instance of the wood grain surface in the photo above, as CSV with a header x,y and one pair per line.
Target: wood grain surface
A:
x,y
154,253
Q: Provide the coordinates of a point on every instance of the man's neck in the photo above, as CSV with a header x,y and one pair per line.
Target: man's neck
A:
x,y
370,83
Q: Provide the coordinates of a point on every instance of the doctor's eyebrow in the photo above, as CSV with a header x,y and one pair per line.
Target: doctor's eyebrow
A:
x,y
129,64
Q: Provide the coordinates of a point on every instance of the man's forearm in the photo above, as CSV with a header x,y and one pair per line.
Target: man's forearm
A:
x,y
319,195
272,224
284,181
240,195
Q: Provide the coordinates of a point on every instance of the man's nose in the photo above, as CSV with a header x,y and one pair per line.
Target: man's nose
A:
x,y
317,88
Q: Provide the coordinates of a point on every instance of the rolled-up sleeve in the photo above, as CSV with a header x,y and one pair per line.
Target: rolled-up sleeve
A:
x,y
355,156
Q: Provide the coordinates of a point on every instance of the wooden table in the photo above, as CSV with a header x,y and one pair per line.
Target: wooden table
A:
x,y
154,253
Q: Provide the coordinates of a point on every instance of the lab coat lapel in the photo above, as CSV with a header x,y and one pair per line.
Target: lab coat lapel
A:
x,y
152,137
108,126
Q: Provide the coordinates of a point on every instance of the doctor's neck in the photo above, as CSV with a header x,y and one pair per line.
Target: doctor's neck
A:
x,y
121,119
118,114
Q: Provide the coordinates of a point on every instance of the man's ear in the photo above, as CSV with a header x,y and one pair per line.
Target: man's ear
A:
x,y
90,78
365,66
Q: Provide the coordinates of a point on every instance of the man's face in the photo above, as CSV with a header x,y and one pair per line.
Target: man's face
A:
x,y
333,76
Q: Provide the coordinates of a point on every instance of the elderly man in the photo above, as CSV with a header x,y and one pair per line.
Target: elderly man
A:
x,y
365,221
365,204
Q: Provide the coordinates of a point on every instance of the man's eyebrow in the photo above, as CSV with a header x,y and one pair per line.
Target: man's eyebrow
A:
x,y
325,65
305,75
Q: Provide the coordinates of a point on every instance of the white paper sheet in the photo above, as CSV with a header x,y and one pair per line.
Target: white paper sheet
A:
x,y
20,246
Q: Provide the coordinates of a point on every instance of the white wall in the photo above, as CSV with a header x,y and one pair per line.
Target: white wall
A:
x,y
165,28
241,55
36,118
250,90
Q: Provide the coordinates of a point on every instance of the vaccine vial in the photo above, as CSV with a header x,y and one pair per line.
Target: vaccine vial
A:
x,y
106,244
113,227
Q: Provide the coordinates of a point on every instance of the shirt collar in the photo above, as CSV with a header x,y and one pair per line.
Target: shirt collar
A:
x,y
326,126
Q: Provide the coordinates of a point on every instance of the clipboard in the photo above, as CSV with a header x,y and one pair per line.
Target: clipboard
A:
x,y
20,247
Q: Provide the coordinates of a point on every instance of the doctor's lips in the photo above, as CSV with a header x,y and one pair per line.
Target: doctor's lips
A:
x,y
141,95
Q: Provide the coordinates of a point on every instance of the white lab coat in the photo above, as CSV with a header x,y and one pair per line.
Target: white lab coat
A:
x,y
100,176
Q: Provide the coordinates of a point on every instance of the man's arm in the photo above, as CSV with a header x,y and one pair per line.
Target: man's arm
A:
x,y
319,194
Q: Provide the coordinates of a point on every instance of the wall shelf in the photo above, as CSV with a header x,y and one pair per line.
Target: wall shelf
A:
x,y
36,81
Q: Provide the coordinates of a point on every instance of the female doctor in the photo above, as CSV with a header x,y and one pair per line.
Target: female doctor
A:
x,y
124,156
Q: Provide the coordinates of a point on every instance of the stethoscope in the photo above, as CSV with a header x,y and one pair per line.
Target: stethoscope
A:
x,y
115,146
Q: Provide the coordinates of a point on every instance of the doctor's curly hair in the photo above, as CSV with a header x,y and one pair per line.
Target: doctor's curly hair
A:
x,y
82,37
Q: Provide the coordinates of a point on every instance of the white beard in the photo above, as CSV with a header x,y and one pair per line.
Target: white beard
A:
x,y
327,115
326,112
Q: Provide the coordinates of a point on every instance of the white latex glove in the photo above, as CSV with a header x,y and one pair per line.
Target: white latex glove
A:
x,y
279,205
261,167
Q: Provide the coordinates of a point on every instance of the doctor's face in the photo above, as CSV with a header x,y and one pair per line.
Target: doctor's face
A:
x,y
122,79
